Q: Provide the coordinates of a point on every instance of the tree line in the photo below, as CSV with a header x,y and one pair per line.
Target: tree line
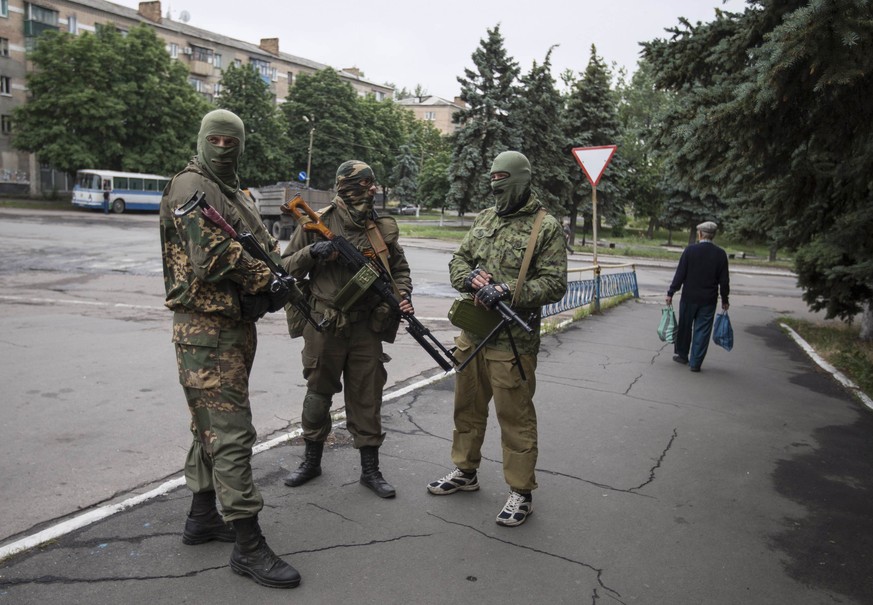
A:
x,y
758,120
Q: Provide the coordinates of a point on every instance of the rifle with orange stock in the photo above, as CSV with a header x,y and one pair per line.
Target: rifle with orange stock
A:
x,y
370,275
250,245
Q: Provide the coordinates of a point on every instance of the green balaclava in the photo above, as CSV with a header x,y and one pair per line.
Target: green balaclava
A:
x,y
221,162
354,180
512,192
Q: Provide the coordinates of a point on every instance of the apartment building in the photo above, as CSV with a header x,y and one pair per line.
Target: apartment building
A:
x,y
436,110
205,53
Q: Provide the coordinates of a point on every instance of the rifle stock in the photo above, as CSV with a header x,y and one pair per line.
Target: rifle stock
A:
x,y
383,285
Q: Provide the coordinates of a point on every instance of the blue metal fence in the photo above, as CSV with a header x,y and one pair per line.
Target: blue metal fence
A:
x,y
582,292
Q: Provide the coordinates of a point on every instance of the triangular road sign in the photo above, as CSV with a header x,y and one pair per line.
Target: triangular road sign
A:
x,y
594,160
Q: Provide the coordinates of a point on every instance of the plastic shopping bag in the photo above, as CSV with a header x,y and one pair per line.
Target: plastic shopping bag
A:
x,y
667,327
722,332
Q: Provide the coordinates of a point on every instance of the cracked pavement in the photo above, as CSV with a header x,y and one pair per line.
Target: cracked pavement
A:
x,y
746,483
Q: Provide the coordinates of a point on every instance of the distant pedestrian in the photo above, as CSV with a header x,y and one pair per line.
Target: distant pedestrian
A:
x,y
490,265
107,191
567,235
703,275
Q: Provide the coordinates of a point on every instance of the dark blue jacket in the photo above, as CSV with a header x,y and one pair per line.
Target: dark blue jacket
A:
x,y
702,272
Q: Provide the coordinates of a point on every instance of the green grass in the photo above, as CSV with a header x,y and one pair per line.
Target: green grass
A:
x,y
839,345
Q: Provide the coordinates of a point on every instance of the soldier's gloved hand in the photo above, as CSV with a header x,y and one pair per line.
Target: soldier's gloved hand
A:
x,y
468,281
254,306
322,251
406,304
283,290
492,293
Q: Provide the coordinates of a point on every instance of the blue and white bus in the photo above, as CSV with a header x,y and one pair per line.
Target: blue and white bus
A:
x,y
127,190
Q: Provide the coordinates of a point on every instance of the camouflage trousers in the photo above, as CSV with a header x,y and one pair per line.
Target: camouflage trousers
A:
x,y
215,355
493,374
359,360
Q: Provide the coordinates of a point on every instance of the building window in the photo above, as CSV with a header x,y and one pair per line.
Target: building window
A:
x,y
196,83
5,124
37,20
290,78
174,50
5,86
72,25
4,47
216,89
237,63
4,8
380,96
263,68
216,60
430,115
198,53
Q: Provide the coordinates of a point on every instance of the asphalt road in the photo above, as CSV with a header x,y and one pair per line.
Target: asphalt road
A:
x,y
93,409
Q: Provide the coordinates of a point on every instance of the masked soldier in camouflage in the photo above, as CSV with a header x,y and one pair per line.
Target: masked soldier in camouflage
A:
x,y
351,347
217,292
487,265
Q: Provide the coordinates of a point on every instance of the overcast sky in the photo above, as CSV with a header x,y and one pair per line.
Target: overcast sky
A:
x,y
409,43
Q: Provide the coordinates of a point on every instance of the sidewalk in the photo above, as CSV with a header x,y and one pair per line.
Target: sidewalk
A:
x,y
749,482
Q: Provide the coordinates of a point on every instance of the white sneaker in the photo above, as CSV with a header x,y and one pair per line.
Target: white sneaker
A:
x,y
453,482
516,509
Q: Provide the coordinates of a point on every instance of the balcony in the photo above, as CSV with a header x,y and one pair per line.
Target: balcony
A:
x,y
35,28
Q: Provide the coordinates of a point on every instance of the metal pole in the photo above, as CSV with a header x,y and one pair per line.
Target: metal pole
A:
x,y
309,157
594,219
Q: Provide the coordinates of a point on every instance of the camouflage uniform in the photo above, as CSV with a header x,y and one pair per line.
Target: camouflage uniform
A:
x,y
351,348
205,272
497,245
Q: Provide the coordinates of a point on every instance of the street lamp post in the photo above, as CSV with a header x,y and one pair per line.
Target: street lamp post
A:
x,y
309,156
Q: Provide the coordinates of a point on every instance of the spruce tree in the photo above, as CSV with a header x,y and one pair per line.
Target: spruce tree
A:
x,y
776,121
485,127
405,176
539,112
592,121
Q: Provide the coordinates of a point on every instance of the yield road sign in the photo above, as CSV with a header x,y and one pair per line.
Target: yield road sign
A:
x,y
594,160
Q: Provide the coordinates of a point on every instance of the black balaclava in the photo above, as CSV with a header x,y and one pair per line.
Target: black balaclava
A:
x,y
221,162
512,192
357,197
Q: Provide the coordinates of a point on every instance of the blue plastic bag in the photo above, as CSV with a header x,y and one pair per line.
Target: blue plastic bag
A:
x,y
722,332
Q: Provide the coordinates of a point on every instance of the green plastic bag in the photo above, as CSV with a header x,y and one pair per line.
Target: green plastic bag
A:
x,y
667,327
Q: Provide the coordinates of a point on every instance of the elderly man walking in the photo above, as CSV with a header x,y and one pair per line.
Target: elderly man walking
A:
x,y
703,275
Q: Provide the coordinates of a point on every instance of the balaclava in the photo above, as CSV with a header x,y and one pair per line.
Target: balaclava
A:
x,y
512,192
357,197
221,162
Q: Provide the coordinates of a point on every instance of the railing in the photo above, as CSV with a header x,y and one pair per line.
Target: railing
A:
x,y
581,292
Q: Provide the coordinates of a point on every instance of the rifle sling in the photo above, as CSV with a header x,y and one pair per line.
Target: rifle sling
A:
x,y
381,249
528,254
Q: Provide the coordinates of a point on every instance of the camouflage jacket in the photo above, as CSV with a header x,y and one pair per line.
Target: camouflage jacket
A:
x,y
204,269
497,245
325,280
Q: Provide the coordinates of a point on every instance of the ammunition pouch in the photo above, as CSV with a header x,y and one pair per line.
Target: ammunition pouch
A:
x,y
472,318
385,321
355,288
296,320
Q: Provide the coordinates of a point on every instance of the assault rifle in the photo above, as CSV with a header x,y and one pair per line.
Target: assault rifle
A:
x,y
507,317
250,245
370,275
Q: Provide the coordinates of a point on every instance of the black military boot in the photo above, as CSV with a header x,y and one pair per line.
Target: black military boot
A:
x,y
370,475
252,557
204,524
310,468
